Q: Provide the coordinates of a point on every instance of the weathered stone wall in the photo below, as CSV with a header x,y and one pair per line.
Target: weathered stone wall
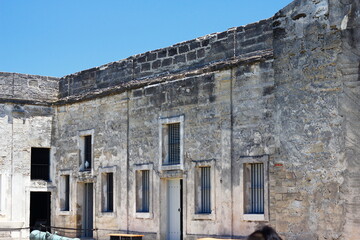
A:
x,y
107,119
283,91
306,182
347,18
26,87
179,58
21,127
220,106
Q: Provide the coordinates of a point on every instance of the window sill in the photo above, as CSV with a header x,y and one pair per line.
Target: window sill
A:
x,y
65,212
108,214
203,216
254,217
171,167
143,215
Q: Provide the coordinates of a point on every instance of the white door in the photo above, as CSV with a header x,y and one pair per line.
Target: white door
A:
x,y
174,210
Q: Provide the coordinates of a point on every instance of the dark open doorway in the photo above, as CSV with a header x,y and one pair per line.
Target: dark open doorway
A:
x,y
40,210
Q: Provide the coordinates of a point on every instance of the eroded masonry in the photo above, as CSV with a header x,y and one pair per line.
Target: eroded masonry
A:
x,y
206,138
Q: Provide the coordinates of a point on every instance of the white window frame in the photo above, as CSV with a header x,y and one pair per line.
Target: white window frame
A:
x,y
246,161
81,146
61,192
196,212
138,170
103,186
163,122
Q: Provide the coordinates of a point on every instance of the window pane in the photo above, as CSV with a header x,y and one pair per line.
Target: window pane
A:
x,y
174,143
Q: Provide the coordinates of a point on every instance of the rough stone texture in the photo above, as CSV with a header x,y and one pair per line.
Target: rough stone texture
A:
x,y
283,91
26,87
21,127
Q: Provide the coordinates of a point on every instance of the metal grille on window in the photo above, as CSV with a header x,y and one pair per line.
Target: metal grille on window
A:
x,y
40,163
66,206
88,152
145,191
257,188
205,190
110,192
174,143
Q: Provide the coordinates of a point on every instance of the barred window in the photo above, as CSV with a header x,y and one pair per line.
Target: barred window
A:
x,y
108,192
205,190
143,191
40,163
173,143
254,188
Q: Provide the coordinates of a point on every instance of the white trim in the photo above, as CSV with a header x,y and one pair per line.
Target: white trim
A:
x,y
81,136
61,192
162,123
255,217
102,172
195,214
138,169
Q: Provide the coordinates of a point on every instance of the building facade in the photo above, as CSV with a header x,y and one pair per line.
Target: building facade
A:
x,y
206,138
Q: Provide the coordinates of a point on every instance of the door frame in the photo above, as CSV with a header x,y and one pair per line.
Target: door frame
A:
x,y
80,199
163,220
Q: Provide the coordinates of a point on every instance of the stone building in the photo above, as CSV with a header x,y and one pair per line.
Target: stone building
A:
x,y
210,137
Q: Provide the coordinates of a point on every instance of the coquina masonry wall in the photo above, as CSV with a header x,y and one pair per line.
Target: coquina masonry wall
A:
x,y
282,91
26,119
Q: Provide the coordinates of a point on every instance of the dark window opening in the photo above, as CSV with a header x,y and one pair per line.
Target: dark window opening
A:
x,y
87,152
40,163
66,204
174,143
110,192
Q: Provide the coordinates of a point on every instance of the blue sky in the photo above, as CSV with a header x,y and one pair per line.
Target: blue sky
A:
x,y
60,37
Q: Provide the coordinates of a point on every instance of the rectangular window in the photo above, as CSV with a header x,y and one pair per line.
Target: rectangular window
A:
x,y
205,187
254,188
65,194
173,143
40,163
87,152
143,191
108,187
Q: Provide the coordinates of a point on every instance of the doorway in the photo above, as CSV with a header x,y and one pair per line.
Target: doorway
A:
x,y
175,210
88,211
40,213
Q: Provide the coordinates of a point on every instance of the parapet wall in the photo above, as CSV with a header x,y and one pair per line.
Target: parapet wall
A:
x,y
25,87
231,44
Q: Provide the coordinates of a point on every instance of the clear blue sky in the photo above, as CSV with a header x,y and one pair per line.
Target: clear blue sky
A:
x,y
60,37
